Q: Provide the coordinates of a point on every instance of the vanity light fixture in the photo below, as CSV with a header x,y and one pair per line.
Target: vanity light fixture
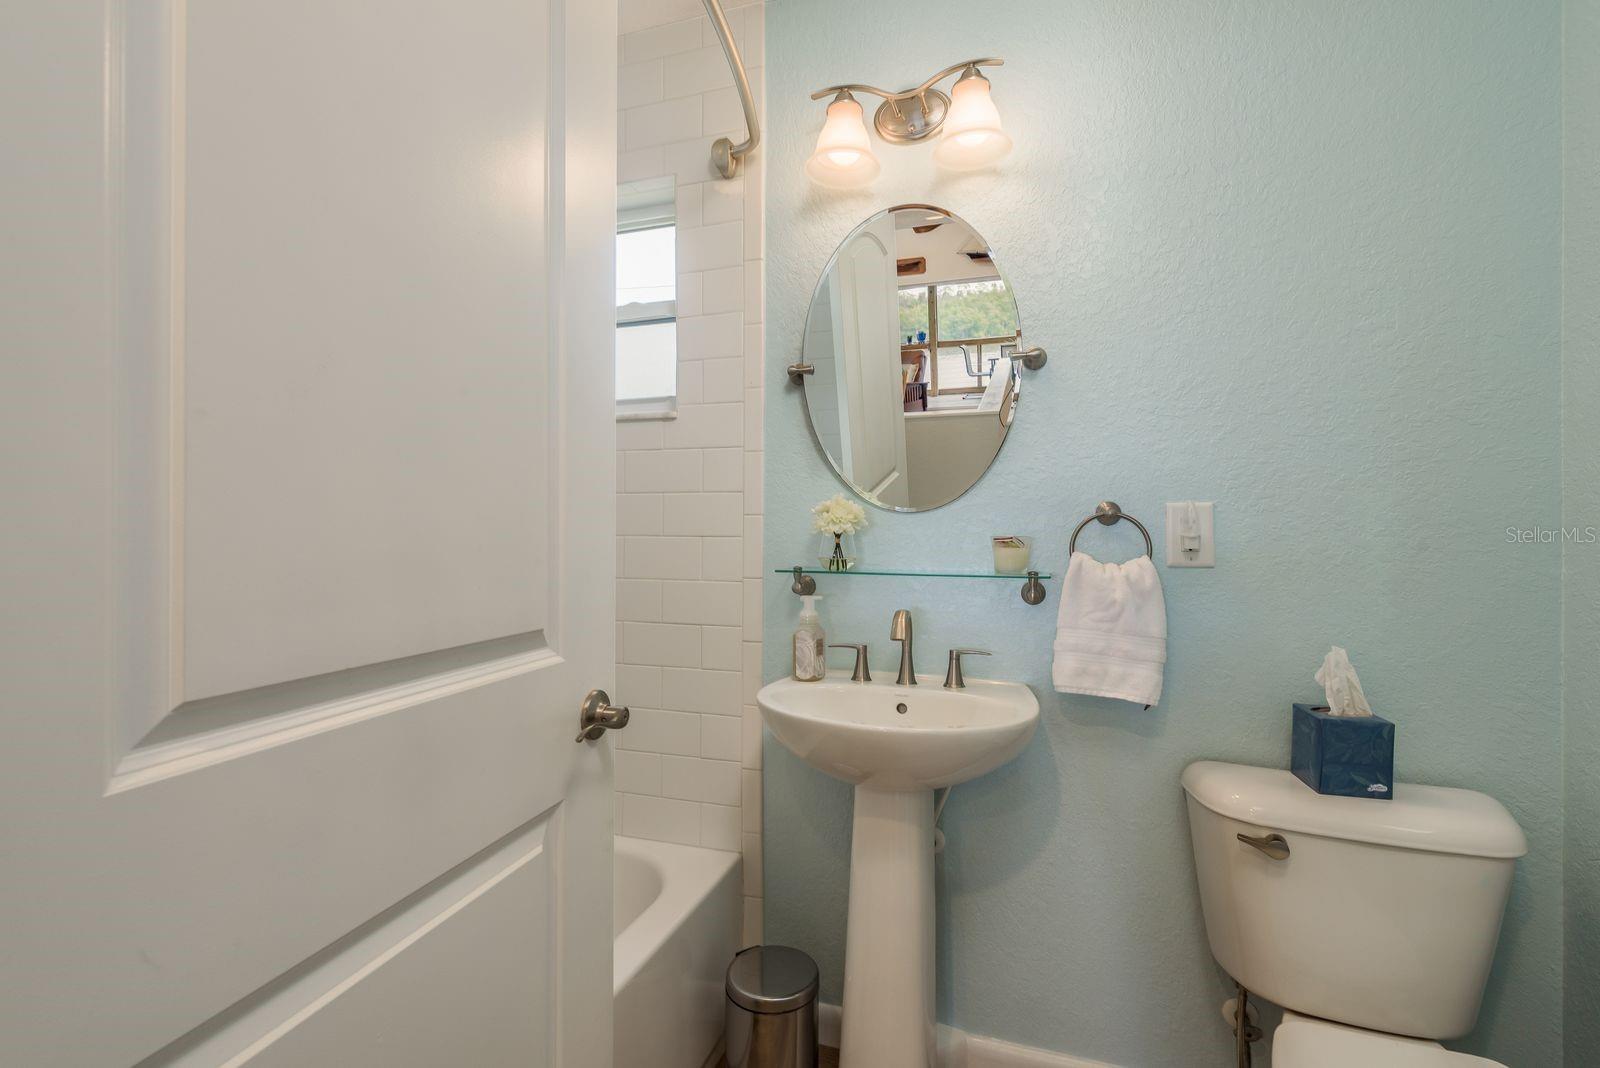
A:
x,y
843,159
973,136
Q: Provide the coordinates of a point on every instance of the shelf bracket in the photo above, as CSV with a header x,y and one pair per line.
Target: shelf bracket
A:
x,y
804,584
1033,589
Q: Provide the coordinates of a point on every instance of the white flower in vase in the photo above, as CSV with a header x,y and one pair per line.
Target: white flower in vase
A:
x,y
837,519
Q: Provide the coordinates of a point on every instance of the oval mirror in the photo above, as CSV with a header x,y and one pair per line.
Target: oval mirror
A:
x,y
909,360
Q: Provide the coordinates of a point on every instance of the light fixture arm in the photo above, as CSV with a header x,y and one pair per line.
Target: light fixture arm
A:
x,y
915,114
908,94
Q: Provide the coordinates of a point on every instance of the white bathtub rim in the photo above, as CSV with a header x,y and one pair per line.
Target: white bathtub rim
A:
x,y
688,874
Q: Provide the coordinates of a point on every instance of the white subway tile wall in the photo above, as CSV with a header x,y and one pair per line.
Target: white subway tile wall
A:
x,y
689,489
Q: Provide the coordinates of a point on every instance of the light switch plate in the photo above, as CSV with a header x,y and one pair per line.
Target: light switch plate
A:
x,y
1207,554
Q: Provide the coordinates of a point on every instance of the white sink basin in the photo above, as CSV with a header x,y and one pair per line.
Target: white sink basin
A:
x,y
901,737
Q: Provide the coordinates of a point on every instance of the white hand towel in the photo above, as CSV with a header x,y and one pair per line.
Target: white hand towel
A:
x,y
1111,630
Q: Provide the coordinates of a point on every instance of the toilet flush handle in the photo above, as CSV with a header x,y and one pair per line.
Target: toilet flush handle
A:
x,y
1273,845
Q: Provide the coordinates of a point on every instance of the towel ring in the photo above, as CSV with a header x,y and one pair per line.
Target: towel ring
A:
x,y
1108,513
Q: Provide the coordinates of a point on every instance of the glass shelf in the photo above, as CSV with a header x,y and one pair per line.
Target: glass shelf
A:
x,y
1032,581
1014,576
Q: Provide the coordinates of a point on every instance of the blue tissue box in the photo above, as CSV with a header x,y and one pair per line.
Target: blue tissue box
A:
x,y
1351,756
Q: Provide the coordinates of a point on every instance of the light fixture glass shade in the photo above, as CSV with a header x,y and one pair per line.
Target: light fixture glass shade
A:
x,y
843,159
972,136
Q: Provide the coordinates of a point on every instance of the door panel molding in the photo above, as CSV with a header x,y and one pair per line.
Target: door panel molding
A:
x,y
237,496
144,154
154,728
251,1025
364,473
199,734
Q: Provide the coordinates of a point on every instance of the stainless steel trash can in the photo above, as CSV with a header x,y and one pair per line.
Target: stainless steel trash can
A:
x,y
772,1009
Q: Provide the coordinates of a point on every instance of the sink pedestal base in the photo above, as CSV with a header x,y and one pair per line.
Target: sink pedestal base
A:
x,y
888,956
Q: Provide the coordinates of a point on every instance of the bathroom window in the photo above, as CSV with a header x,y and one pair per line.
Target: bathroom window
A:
x,y
647,290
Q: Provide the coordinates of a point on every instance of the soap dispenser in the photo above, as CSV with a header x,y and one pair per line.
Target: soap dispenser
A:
x,y
810,643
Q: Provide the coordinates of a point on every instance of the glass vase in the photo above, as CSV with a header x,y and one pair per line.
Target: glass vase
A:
x,y
837,552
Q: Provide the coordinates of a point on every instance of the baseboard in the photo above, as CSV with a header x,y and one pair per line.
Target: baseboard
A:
x,y
981,1052
828,1017
957,1049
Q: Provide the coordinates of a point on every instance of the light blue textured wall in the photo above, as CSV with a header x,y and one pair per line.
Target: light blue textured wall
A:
x,y
1581,501
1299,258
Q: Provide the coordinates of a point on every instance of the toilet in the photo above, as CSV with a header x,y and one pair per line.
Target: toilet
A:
x,y
1372,923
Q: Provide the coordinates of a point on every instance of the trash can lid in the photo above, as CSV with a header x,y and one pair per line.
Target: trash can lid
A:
x,y
769,979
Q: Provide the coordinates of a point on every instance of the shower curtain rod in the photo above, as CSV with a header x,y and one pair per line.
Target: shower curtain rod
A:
x,y
726,156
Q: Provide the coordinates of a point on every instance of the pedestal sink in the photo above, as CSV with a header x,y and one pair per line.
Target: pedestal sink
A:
x,y
896,744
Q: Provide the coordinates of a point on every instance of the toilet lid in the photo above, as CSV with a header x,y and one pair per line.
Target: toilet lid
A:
x,y
1302,1042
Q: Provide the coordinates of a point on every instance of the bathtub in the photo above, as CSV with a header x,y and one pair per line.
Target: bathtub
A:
x,y
677,920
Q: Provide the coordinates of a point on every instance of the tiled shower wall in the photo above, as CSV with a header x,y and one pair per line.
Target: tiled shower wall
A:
x,y
689,488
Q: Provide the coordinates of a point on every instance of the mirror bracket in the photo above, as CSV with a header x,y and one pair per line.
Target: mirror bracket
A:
x,y
1033,359
798,372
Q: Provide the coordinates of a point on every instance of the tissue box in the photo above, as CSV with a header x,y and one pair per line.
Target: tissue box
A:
x,y
1352,756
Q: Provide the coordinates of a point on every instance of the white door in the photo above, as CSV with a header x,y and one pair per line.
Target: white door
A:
x,y
304,543
865,290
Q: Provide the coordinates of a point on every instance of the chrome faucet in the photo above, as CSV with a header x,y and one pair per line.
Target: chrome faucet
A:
x,y
900,631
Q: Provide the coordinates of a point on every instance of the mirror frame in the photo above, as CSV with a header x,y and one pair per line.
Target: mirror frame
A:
x,y
1030,358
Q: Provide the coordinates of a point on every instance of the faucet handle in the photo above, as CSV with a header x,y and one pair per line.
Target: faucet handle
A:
x,y
861,673
953,679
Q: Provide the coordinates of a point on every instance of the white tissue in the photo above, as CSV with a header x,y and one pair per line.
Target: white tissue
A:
x,y
1338,678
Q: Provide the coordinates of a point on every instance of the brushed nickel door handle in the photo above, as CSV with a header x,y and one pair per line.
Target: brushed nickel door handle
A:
x,y
1273,845
598,716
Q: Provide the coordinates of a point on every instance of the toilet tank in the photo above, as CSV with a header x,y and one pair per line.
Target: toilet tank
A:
x,y
1383,915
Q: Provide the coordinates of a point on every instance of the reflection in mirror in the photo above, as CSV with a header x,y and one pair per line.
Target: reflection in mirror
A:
x,y
910,340
647,295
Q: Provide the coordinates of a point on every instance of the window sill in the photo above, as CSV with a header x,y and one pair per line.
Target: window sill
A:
x,y
646,415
